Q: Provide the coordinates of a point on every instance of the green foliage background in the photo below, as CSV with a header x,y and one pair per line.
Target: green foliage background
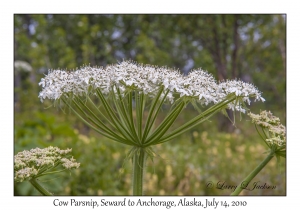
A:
x,y
249,47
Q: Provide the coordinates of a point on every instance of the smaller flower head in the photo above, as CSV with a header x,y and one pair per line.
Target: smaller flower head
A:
x,y
29,164
276,131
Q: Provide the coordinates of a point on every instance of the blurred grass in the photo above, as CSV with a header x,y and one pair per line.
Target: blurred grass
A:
x,y
182,166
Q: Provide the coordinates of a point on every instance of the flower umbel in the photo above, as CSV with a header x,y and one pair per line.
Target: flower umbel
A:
x,y
112,101
125,89
274,131
38,162
273,134
198,84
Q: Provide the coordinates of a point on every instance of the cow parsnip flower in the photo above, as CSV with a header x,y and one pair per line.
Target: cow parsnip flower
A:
x,y
274,133
127,75
112,100
128,84
38,162
32,164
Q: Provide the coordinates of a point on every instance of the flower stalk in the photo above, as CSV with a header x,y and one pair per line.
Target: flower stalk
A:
x,y
251,176
139,164
39,187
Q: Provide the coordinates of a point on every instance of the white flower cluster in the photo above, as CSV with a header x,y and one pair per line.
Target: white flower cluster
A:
x,y
28,164
277,131
25,174
198,84
22,66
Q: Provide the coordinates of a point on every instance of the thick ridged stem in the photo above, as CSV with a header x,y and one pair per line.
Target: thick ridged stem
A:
x,y
39,187
139,162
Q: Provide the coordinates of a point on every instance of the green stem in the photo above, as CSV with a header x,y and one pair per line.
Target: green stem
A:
x,y
139,160
249,178
39,187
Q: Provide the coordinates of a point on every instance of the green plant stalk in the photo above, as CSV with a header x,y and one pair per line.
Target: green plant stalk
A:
x,y
249,178
39,187
139,160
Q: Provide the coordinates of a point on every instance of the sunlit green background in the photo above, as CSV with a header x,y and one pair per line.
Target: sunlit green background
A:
x,y
248,47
